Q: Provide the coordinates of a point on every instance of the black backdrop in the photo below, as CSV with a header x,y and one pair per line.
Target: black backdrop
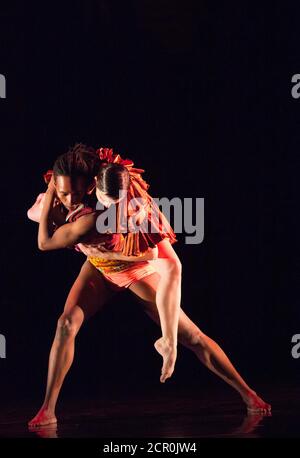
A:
x,y
199,94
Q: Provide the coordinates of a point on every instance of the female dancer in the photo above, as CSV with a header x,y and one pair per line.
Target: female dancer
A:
x,y
93,288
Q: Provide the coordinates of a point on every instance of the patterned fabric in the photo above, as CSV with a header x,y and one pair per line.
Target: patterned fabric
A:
x,y
109,266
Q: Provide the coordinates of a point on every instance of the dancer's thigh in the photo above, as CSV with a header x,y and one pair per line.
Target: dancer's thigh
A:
x,y
89,292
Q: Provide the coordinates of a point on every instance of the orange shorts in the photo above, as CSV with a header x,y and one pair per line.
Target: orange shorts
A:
x,y
125,278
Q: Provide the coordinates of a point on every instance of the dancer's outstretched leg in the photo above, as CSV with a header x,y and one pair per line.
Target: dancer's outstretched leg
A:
x,y
168,296
88,295
206,349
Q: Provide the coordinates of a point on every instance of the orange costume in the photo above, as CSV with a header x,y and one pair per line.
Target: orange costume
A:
x,y
151,227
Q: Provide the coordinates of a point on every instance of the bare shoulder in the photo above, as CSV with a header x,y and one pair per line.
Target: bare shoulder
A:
x,y
84,223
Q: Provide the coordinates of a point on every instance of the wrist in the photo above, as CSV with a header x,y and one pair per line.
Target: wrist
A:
x,y
50,194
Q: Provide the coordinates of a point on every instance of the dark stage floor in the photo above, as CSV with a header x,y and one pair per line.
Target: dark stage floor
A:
x,y
203,413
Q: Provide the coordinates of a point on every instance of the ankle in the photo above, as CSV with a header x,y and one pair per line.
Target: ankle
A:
x,y
170,342
46,407
247,393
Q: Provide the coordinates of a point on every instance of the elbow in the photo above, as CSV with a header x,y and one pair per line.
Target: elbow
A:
x,y
31,216
42,246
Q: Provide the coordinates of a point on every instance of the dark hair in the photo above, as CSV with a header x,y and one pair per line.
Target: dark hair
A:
x,y
112,178
79,161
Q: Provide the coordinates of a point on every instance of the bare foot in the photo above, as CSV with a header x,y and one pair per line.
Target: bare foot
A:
x,y
43,417
169,355
255,404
